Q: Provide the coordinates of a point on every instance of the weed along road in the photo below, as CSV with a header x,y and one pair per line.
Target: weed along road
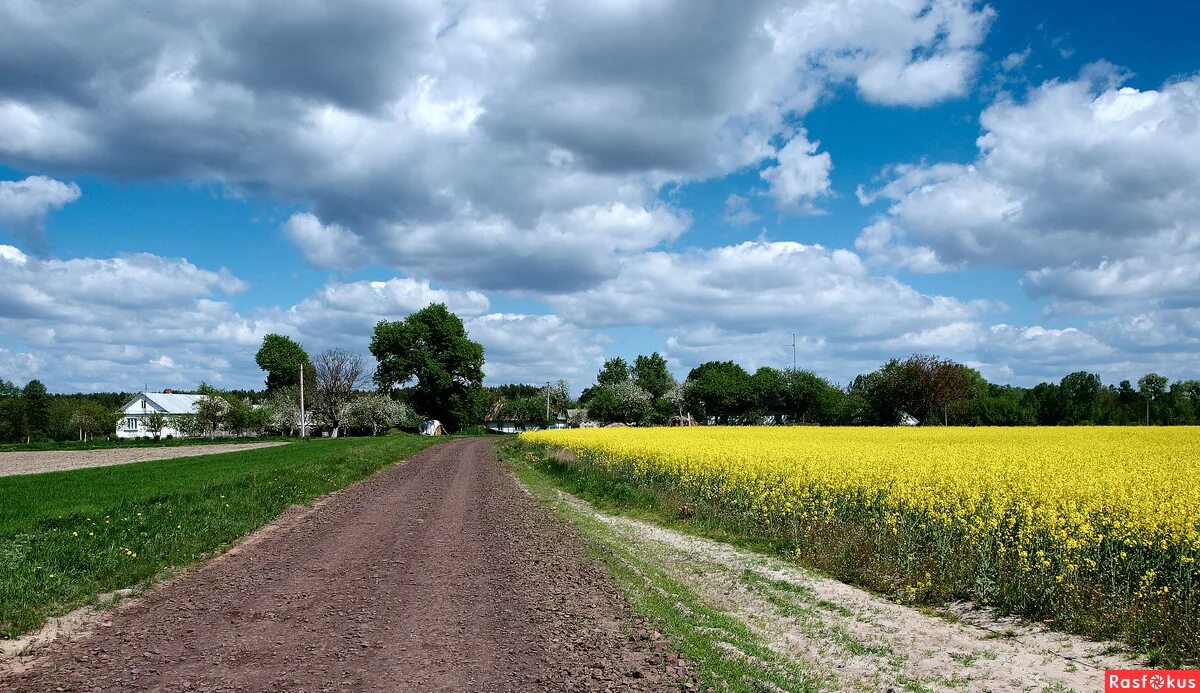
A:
x,y
437,574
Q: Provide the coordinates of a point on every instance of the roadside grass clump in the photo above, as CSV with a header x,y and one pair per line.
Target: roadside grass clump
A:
x,y
68,536
1094,530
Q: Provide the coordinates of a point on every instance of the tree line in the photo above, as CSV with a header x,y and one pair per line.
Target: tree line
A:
x,y
922,388
428,367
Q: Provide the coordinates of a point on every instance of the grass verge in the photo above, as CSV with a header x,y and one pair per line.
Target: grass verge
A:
x,y
726,655
68,536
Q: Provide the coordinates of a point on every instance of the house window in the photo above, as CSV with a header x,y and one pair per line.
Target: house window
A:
x,y
131,423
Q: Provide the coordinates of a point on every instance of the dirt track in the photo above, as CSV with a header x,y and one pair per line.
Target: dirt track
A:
x,y
37,461
440,574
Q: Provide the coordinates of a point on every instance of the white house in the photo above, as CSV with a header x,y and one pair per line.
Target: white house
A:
x,y
169,404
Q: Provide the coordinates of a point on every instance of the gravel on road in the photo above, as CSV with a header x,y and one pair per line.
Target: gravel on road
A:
x,y
438,574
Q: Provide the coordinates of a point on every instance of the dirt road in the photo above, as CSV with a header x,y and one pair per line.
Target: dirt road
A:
x,y
37,461
439,574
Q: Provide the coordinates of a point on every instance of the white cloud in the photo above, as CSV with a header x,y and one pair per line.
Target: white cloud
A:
x,y
738,211
536,348
448,139
344,314
324,245
754,285
883,244
24,204
1015,59
1092,189
118,323
800,176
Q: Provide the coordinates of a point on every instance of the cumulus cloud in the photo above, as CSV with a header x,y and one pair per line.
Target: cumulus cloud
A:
x,y
118,323
339,314
324,245
536,348
800,176
24,204
755,285
452,137
1092,189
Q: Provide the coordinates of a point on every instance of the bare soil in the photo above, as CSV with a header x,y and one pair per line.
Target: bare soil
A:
x,y
439,574
38,461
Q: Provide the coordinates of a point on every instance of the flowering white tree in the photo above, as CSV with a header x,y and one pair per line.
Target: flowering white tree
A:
x,y
376,412
283,409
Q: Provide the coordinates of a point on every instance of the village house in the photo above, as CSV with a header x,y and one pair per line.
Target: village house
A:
x,y
167,403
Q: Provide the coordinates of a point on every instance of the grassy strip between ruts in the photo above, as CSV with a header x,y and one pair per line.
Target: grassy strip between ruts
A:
x,y
134,443
67,536
726,655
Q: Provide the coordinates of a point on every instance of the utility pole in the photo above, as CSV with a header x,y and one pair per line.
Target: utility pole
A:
x,y
1148,398
303,418
793,351
547,402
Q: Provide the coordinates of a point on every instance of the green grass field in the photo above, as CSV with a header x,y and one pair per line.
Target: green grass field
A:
x,y
148,443
67,536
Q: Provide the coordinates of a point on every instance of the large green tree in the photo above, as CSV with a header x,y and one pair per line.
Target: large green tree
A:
x,y
1152,387
614,371
431,349
281,357
35,406
809,398
651,374
720,389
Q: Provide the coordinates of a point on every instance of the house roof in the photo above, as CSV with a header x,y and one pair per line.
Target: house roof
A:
x,y
169,403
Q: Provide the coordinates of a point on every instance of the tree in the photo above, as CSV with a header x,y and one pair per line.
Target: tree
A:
x,y
35,409
676,397
931,384
614,370
282,410
769,385
190,424
720,389
210,413
340,374
809,398
1152,386
1081,397
92,418
431,347
281,357
155,424
651,374
242,417
376,412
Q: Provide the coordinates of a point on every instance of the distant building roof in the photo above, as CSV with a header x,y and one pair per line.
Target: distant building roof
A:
x,y
167,402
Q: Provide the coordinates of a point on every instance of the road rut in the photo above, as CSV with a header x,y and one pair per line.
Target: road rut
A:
x,y
438,574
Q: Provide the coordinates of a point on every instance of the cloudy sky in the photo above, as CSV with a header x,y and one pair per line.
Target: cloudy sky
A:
x,y
1014,185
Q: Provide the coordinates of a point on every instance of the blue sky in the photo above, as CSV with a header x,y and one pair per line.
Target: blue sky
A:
x,y
1013,185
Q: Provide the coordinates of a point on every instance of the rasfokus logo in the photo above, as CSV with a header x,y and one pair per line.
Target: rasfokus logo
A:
x,y
1151,680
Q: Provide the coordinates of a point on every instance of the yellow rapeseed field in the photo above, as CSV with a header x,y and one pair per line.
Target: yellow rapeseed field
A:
x,y
1099,526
